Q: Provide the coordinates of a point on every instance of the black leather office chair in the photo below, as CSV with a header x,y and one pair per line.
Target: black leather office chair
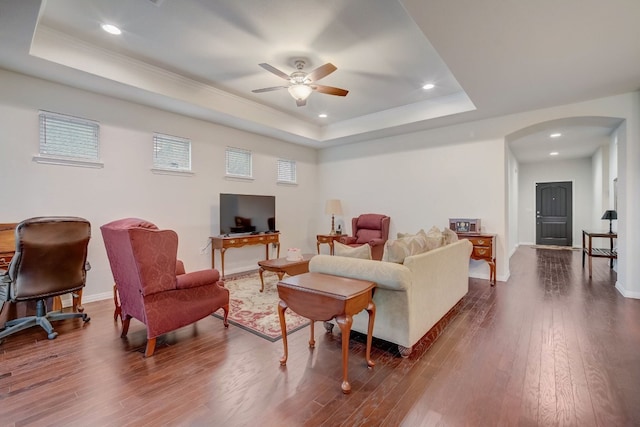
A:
x,y
50,260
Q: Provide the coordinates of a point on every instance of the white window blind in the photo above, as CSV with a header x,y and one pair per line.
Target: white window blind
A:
x,y
171,152
238,162
68,136
287,171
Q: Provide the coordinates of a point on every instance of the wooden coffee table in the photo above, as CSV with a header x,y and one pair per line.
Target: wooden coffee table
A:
x,y
323,297
282,266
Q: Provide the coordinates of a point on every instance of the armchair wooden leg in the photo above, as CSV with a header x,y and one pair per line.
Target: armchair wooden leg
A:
x,y
151,346
125,326
225,308
118,311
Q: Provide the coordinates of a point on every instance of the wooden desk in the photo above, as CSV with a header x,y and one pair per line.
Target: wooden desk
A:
x,y
591,252
7,244
318,296
223,243
327,238
484,249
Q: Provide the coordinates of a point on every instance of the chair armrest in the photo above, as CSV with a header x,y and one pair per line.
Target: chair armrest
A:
x,y
347,240
180,267
197,278
376,242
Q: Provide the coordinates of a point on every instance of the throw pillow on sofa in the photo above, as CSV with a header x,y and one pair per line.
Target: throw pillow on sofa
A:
x,y
397,250
362,252
449,235
434,238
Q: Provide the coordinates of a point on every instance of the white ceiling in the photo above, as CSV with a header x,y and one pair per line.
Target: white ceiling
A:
x,y
200,57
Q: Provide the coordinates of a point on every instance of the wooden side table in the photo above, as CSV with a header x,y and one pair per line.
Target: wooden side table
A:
x,y
323,297
591,252
282,266
484,249
327,238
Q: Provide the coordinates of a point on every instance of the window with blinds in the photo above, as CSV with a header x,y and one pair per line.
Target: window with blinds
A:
x,y
286,171
171,152
238,163
68,137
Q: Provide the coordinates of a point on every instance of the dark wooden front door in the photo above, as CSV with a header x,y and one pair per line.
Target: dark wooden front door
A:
x,y
553,214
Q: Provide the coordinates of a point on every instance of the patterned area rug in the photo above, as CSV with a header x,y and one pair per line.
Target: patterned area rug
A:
x,y
256,311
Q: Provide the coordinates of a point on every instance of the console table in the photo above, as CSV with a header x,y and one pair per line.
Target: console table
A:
x,y
222,243
484,249
591,252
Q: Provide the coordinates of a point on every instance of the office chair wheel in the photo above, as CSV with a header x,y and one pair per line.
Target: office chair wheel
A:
x,y
52,335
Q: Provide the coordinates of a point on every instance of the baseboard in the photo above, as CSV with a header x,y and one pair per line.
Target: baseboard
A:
x,y
67,300
626,293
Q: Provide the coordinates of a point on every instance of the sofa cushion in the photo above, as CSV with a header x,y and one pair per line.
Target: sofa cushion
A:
x,y
434,238
449,235
370,221
362,251
397,250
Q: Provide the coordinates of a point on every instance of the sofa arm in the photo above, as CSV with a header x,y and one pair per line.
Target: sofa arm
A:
x,y
347,240
197,278
385,274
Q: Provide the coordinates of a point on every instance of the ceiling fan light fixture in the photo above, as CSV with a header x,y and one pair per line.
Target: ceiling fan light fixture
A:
x,y
300,92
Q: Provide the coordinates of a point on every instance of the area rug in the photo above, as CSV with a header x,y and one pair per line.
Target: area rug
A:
x,y
556,248
255,311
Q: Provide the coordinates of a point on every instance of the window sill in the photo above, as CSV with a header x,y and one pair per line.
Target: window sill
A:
x,y
174,172
239,178
49,160
289,183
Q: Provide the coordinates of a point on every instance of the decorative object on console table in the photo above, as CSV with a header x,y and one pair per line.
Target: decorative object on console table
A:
x,y
484,249
465,225
610,215
328,239
333,207
223,243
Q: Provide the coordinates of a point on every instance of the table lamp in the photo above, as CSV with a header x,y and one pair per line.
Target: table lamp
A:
x,y
333,207
610,215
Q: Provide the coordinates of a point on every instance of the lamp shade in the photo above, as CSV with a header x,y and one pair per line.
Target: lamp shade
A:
x,y
610,214
300,92
333,207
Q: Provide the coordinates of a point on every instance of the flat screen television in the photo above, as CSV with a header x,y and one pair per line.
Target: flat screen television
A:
x,y
247,214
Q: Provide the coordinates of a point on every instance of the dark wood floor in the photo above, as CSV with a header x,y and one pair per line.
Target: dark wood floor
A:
x,y
549,347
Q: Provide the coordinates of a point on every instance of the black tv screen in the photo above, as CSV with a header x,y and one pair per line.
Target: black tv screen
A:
x,y
246,213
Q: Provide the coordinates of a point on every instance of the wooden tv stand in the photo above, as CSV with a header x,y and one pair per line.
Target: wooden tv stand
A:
x,y
222,243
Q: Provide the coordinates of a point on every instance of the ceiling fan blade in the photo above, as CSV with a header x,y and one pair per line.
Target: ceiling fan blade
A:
x,y
320,72
330,90
301,102
268,89
274,70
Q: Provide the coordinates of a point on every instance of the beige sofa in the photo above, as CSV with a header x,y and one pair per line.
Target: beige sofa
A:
x,y
410,298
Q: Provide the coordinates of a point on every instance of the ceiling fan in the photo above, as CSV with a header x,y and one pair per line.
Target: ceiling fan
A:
x,y
301,84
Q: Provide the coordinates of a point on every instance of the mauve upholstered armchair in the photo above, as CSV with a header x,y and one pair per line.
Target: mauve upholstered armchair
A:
x,y
146,273
372,229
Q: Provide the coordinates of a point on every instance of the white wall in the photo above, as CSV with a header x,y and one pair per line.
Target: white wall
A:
x,y
513,179
127,187
420,185
577,171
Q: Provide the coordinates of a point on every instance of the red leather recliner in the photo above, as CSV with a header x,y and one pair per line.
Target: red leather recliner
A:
x,y
372,229
145,269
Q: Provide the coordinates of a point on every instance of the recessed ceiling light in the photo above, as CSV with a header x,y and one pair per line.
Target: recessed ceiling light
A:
x,y
322,116
428,86
111,29
553,153
555,135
